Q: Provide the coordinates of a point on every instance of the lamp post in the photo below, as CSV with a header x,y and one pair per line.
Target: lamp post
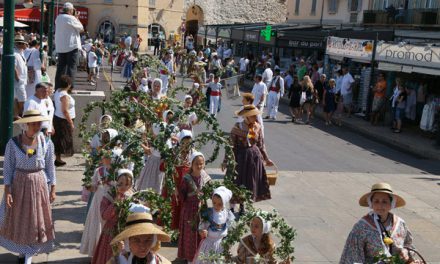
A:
x,y
41,28
50,33
7,78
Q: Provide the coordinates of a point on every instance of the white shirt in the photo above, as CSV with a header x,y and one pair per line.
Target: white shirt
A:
x,y
32,57
243,64
143,88
127,42
346,83
339,83
87,47
20,65
92,59
67,31
288,80
42,105
259,90
267,76
58,108
227,53
215,87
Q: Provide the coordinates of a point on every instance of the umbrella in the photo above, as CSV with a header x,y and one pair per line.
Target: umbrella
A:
x,y
16,24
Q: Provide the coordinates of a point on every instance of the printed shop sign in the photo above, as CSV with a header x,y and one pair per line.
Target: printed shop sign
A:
x,y
350,48
407,54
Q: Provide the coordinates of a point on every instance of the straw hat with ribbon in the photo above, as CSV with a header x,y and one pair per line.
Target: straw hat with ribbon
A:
x,y
381,187
32,116
141,224
248,110
19,39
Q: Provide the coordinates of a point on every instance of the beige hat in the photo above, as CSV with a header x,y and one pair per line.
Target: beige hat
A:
x,y
141,224
248,110
31,116
381,187
19,39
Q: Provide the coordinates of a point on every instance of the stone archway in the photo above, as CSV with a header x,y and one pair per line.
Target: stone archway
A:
x,y
194,18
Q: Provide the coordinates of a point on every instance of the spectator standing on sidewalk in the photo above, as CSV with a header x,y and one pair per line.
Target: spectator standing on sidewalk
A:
x,y
259,91
346,90
21,76
379,91
67,42
137,43
63,120
92,59
40,101
400,108
34,65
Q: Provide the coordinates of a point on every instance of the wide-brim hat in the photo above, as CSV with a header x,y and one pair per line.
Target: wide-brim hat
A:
x,y
32,116
381,187
141,224
200,63
248,110
19,39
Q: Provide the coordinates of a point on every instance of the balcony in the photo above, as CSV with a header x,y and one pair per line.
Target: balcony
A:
x,y
412,17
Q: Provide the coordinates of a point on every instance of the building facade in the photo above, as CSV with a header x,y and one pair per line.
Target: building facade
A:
x,y
326,12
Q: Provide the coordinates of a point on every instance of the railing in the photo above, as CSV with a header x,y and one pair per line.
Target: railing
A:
x,y
426,17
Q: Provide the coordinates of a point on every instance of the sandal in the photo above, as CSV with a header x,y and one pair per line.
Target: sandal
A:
x,y
59,163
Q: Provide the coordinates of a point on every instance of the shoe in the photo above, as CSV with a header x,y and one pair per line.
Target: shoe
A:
x,y
267,117
274,118
293,120
21,260
59,163
397,131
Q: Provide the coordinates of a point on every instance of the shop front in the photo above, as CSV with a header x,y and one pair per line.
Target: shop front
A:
x,y
418,68
357,54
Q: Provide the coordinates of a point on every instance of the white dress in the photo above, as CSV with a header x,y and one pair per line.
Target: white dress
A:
x,y
94,222
217,227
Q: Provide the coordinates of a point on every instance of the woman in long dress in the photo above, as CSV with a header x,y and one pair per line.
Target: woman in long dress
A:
x,y
250,154
380,231
26,225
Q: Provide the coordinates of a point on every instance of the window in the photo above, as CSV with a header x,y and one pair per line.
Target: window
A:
x,y
354,5
313,11
297,3
333,6
152,3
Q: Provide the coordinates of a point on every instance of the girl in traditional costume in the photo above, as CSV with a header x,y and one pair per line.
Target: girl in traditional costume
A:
x,y
190,189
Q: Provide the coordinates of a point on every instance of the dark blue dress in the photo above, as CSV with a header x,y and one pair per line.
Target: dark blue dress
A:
x,y
330,105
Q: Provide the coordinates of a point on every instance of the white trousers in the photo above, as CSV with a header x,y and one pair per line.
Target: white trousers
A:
x,y
213,105
164,79
273,100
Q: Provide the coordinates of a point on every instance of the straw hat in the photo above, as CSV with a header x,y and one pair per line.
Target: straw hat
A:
x,y
31,116
200,63
19,39
141,224
248,110
381,187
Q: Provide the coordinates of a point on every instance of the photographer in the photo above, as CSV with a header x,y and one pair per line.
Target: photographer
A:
x,y
67,42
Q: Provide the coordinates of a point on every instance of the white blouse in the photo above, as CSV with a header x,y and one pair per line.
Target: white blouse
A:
x,y
58,107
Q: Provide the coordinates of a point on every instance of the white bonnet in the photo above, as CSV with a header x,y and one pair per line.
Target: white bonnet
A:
x,y
188,97
138,208
125,171
224,193
159,81
196,85
195,155
144,81
104,116
185,133
267,225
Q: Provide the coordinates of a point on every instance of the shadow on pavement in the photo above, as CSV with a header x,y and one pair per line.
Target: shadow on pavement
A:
x,y
73,215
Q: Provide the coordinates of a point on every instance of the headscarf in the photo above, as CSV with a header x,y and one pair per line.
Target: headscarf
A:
x,y
195,155
224,193
160,82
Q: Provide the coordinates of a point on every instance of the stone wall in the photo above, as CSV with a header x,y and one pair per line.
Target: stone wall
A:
x,y
241,11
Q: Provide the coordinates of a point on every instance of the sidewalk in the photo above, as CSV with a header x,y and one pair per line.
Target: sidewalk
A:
x,y
408,141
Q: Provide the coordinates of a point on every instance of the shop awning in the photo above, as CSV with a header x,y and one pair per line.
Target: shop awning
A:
x,y
26,14
384,66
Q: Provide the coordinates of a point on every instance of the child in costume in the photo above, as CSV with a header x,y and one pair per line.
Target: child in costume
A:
x,y
215,226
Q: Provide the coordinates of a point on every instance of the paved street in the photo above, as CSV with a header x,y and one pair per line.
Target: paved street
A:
x,y
323,172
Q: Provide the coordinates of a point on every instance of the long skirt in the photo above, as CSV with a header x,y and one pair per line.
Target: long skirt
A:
x,y
63,137
151,177
189,239
27,227
94,224
251,172
176,204
211,244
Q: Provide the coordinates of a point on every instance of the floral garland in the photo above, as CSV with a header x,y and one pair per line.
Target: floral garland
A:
x,y
128,107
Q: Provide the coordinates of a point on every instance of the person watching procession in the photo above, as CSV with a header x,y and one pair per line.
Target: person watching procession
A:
x,y
40,101
275,93
21,76
67,42
32,55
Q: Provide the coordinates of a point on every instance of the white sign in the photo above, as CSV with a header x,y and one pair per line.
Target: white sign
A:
x,y
409,55
350,48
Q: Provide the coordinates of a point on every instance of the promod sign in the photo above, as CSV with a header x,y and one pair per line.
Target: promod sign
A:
x,y
410,55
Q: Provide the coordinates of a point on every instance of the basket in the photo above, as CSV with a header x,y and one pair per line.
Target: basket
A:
x,y
273,175
416,256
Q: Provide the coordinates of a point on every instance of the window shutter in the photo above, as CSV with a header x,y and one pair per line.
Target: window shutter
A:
x,y
359,5
349,5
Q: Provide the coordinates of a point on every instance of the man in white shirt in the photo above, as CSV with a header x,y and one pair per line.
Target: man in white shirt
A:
x,y
40,101
259,91
267,74
346,89
166,72
67,42
227,53
276,91
21,76
32,56
128,41
244,62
